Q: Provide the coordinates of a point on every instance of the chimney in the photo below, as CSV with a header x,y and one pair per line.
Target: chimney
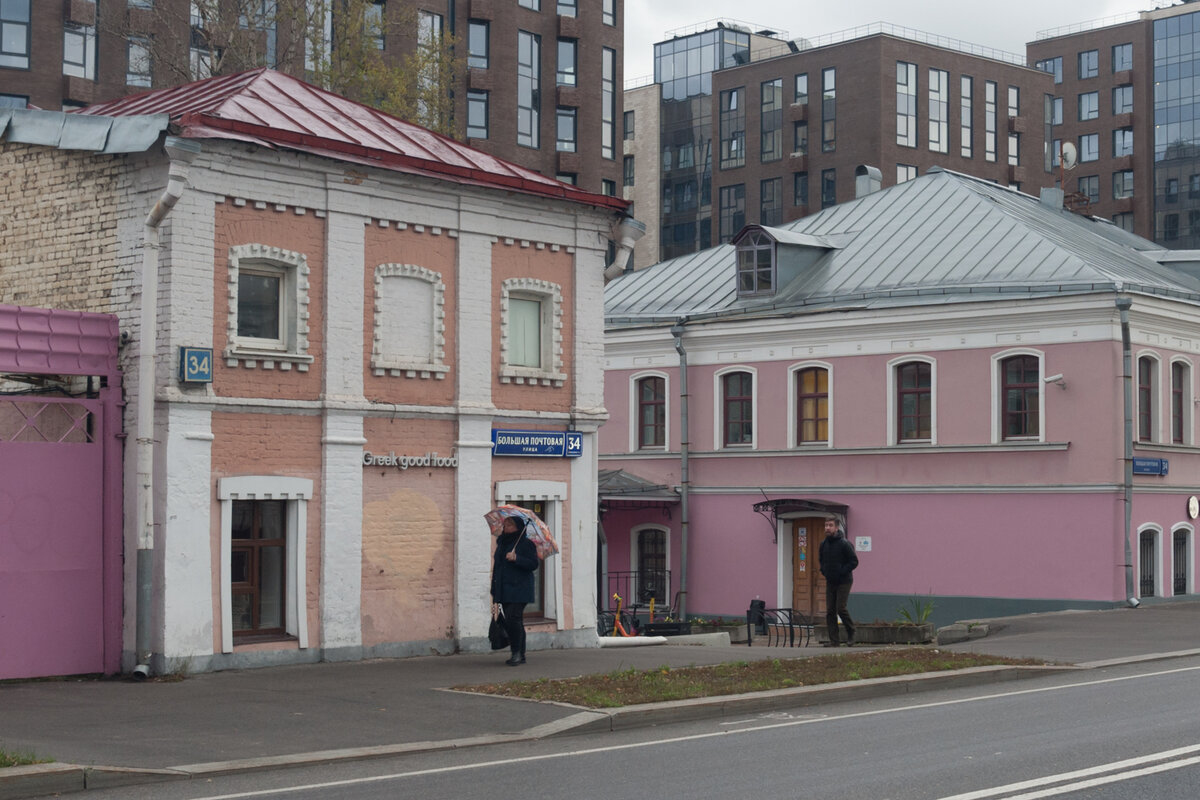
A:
x,y
867,180
1052,196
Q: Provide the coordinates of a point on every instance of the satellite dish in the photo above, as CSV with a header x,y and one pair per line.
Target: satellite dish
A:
x,y
1070,156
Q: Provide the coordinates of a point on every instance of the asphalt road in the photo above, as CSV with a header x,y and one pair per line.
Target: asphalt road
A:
x,y
1126,731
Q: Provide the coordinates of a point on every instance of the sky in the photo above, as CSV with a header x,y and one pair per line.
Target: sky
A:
x,y
1005,25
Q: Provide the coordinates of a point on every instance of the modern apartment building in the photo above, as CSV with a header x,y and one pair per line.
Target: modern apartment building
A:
x,y
538,84
770,130
1123,100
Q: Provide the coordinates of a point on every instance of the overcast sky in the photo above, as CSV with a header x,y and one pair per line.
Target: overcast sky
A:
x,y
1004,25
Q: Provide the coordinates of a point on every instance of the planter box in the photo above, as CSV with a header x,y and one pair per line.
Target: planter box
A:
x,y
666,628
901,633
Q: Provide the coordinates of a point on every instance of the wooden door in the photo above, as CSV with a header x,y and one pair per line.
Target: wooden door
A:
x,y
808,586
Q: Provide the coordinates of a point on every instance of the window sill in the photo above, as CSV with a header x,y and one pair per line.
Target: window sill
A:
x,y
402,370
267,359
532,377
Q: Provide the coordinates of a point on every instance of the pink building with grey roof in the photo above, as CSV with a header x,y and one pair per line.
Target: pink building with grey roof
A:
x,y
326,315
996,396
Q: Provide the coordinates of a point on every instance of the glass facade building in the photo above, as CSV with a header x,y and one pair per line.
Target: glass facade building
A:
x,y
683,67
1177,131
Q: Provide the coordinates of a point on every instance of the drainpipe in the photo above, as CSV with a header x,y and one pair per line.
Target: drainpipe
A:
x,y
181,153
1123,305
677,332
625,233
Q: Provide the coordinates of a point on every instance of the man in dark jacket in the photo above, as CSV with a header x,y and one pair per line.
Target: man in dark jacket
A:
x,y
838,561
513,566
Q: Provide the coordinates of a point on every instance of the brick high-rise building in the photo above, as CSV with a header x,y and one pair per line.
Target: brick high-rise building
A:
x,y
539,84
781,129
1123,100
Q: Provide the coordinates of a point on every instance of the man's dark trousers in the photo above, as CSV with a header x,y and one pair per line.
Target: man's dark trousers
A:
x,y
837,595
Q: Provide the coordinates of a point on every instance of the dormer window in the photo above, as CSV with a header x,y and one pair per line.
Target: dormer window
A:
x,y
756,264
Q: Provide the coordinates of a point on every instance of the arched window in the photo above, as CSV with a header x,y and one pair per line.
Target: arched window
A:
x,y
737,404
812,405
651,412
756,264
914,402
1020,390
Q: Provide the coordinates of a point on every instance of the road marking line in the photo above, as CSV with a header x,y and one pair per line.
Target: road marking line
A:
x,y
1126,776
1079,773
687,738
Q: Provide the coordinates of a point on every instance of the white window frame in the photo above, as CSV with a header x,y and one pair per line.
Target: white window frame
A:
x,y
554,495
635,537
1156,404
719,409
793,434
893,406
396,364
635,420
1158,559
1190,566
998,386
291,349
550,296
1189,395
297,492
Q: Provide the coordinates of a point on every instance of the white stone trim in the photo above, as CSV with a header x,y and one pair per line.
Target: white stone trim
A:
x,y
297,491
1189,567
793,410
1189,402
395,365
635,421
552,493
1159,580
1156,404
718,441
893,406
294,350
998,401
550,295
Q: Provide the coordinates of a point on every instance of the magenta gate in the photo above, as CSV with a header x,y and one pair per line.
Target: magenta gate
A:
x,y
60,493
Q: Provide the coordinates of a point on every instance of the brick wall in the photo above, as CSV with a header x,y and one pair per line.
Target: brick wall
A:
x,y
58,234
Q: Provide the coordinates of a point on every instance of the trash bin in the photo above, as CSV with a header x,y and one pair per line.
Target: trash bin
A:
x,y
755,616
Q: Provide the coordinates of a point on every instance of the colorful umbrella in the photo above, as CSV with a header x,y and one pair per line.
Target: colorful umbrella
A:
x,y
535,530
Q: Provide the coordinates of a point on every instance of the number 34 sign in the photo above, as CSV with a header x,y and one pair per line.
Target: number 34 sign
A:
x,y
195,364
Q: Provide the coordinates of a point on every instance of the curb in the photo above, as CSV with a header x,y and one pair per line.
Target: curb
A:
x,y
43,779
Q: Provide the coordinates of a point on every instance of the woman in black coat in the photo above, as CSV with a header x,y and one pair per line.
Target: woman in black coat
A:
x,y
512,582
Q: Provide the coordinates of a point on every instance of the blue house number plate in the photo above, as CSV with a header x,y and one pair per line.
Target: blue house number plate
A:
x,y
195,364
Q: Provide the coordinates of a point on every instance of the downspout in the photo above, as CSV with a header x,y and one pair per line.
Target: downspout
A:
x,y
677,332
1123,305
181,153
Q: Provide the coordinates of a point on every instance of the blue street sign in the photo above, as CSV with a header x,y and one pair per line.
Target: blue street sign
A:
x,y
554,444
1150,466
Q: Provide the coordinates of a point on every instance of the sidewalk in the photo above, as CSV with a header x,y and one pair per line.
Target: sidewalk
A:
x,y
256,719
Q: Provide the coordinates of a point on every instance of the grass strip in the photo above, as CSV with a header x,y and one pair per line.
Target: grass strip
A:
x,y
634,687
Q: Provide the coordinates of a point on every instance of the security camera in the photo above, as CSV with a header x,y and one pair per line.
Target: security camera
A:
x,y
1053,378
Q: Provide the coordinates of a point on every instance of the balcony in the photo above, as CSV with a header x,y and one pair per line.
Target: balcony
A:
x,y
80,12
570,163
479,79
797,112
569,28
798,162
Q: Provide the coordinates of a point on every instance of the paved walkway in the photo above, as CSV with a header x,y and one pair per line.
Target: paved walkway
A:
x,y
253,719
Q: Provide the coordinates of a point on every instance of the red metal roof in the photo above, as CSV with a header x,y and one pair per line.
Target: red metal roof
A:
x,y
273,109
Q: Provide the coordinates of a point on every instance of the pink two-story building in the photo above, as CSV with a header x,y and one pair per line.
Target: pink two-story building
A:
x,y
997,395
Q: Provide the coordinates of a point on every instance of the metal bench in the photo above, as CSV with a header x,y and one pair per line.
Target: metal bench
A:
x,y
779,627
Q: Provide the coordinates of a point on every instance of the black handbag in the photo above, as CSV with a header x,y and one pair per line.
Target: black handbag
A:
x,y
497,633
